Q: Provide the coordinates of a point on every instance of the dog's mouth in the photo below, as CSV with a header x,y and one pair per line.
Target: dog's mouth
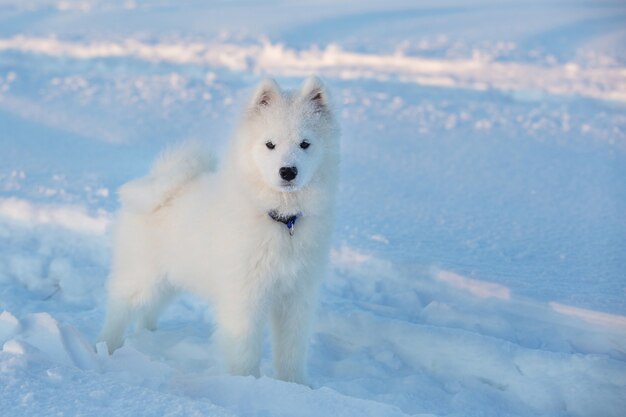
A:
x,y
289,186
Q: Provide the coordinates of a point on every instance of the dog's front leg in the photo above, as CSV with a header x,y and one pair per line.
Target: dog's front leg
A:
x,y
291,322
240,334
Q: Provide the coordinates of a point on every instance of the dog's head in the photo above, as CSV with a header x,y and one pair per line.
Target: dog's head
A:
x,y
290,135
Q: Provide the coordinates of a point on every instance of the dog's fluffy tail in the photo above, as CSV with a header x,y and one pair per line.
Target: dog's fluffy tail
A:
x,y
173,169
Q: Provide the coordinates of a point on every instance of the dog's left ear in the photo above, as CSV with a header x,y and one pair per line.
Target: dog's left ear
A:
x,y
314,91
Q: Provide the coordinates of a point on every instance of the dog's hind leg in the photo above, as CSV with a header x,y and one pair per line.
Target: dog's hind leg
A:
x,y
119,314
129,294
151,312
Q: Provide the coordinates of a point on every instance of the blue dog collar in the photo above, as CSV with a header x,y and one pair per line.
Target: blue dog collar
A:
x,y
289,221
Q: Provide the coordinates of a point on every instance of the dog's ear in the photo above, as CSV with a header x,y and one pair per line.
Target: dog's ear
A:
x,y
266,93
314,91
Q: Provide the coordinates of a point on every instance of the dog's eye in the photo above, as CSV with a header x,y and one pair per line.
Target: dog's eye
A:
x,y
270,145
304,144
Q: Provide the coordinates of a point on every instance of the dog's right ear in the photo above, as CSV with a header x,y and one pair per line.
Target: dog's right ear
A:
x,y
266,93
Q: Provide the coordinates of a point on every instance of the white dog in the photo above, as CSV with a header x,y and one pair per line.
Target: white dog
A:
x,y
252,237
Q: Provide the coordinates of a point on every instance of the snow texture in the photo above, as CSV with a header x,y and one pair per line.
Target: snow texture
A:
x,y
478,264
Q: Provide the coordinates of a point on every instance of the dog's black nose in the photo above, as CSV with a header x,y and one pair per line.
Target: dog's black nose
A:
x,y
288,173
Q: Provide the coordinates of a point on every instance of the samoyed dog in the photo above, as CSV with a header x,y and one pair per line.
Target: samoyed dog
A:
x,y
252,237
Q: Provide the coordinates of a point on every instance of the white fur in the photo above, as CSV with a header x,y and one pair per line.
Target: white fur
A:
x,y
189,226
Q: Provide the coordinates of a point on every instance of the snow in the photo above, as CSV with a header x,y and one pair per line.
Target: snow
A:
x,y
477,73
478,261
74,218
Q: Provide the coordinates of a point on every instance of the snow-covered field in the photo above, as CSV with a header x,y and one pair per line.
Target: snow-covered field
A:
x,y
479,261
